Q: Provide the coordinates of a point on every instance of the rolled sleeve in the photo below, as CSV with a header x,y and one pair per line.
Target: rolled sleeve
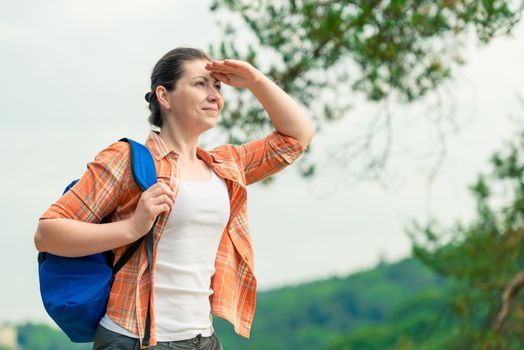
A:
x,y
98,192
268,155
286,146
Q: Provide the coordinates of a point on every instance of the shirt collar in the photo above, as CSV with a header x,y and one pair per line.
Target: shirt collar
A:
x,y
159,149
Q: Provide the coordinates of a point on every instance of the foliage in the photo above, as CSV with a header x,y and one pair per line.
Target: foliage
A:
x,y
361,309
485,256
393,306
322,51
449,297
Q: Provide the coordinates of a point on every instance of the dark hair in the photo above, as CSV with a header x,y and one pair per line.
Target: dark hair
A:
x,y
167,72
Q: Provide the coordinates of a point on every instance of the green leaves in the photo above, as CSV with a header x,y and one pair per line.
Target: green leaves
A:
x,y
398,36
377,48
485,254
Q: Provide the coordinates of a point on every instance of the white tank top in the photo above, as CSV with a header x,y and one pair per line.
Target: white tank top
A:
x,y
186,261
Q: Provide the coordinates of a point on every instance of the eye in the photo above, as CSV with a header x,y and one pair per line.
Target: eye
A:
x,y
218,87
201,83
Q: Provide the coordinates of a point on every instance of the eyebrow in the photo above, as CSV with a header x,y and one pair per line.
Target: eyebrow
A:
x,y
205,78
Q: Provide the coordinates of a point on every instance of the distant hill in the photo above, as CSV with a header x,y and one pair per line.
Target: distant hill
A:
x,y
373,309
392,306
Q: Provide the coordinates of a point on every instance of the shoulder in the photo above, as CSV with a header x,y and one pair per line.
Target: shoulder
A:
x,y
116,152
113,160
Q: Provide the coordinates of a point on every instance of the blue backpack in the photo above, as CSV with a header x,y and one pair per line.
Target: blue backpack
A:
x,y
75,291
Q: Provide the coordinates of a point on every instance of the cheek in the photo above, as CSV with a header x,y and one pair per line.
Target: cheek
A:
x,y
189,101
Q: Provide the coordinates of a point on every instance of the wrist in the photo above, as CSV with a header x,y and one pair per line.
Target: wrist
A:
x,y
129,230
257,81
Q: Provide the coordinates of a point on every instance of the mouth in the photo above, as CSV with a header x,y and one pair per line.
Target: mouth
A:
x,y
210,109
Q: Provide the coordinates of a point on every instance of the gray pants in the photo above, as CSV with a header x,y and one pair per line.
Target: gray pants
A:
x,y
105,339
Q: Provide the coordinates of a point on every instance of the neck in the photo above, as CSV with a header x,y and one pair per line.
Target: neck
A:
x,y
182,144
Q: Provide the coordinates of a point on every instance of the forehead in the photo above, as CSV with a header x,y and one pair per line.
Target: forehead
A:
x,y
193,69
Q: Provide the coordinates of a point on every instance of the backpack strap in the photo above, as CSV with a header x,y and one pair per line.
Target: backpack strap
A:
x,y
144,174
142,164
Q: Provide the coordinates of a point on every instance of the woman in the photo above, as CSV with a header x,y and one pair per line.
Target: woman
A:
x,y
203,258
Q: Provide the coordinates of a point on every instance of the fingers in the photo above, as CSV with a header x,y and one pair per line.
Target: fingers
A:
x,y
223,69
230,62
224,66
233,63
155,200
162,199
160,189
220,76
154,205
160,208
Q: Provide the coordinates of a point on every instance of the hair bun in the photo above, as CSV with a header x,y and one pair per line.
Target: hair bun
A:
x,y
148,97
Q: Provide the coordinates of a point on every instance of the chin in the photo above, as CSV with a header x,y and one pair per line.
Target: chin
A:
x,y
207,126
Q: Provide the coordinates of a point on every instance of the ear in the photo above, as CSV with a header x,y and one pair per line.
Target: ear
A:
x,y
162,97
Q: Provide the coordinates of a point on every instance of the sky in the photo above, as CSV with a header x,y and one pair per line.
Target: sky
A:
x,y
73,79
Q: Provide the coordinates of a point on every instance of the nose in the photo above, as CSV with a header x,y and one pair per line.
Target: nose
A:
x,y
213,95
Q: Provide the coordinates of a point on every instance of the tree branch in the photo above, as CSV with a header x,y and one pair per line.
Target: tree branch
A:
x,y
509,293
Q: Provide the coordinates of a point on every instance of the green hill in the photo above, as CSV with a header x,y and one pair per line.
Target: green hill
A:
x,y
373,309
393,306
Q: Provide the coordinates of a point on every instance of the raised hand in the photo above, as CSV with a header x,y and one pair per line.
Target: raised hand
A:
x,y
234,73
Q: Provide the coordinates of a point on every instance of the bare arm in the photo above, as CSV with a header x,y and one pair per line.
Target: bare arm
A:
x,y
285,113
73,238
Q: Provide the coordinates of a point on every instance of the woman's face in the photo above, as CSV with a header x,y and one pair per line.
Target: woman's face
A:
x,y
196,102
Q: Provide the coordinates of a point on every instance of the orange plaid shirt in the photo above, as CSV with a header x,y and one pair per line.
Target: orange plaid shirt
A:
x,y
107,189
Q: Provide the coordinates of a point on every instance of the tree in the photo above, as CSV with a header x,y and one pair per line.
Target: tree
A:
x,y
327,50
485,257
